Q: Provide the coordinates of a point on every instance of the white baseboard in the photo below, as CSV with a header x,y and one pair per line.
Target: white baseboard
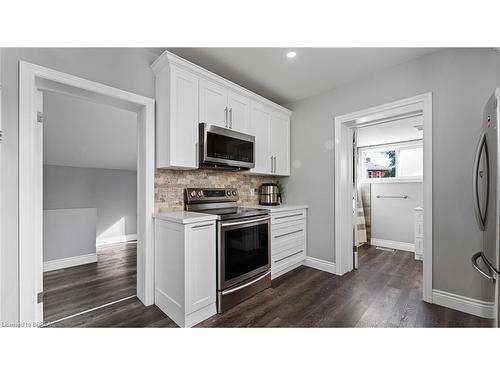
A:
x,y
405,246
320,264
116,239
57,264
467,305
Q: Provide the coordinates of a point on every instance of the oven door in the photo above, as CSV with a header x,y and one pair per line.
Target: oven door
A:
x,y
225,147
244,249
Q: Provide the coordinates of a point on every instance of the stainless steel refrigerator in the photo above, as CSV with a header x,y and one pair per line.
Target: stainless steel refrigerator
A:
x,y
486,197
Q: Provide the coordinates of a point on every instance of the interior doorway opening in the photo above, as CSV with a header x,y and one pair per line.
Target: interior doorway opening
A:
x,y
33,79
367,158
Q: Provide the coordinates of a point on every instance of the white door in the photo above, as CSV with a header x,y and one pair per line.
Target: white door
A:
x,y
239,112
184,116
280,144
260,122
213,104
200,266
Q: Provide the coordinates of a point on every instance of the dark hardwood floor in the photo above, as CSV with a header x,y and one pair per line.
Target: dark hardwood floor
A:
x,y
384,292
76,289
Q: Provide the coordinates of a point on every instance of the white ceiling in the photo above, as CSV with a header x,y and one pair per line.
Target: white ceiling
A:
x,y
79,133
269,73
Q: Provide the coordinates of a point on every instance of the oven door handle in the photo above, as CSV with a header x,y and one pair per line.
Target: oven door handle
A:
x,y
246,284
244,222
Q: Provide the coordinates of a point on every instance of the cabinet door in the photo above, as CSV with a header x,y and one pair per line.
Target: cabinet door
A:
x,y
200,266
280,143
184,119
239,112
213,104
260,121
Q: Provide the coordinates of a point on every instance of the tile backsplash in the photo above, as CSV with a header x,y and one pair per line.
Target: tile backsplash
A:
x,y
170,184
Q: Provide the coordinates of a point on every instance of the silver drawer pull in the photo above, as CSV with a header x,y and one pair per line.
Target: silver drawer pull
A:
x,y
284,217
289,233
202,226
288,256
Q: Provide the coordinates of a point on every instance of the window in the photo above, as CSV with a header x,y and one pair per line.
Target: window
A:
x,y
396,162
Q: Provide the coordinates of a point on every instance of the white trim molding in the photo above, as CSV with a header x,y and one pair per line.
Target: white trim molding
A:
x,y
78,260
483,309
33,78
115,239
405,246
320,264
343,189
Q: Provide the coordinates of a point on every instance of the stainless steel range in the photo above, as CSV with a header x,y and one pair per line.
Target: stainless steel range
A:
x,y
243,244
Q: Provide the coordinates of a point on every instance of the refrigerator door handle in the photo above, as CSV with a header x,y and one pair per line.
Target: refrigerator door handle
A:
x,y
492,274
480,216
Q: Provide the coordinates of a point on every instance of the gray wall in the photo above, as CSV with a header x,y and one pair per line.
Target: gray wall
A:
x,y
68,233
124,68
392,219
112,192
461,81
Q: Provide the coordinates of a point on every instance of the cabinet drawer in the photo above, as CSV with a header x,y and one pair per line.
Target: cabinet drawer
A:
x,y
288,255
288,216
285,245
285,231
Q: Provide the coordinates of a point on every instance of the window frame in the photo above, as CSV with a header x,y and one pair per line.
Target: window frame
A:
x,y
397,146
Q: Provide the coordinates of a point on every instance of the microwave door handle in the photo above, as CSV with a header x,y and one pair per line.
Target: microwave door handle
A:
x,y
475,190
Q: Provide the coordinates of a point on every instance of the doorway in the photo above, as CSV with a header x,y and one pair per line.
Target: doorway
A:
x,y
33,79
347,167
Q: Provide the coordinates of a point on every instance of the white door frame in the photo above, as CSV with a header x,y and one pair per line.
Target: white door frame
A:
x,y
344,126
31,79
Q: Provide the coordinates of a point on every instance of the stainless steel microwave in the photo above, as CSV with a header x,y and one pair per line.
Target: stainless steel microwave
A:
x,y
225,148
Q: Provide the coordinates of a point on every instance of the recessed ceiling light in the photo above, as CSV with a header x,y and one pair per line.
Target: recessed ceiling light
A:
x,y
291,54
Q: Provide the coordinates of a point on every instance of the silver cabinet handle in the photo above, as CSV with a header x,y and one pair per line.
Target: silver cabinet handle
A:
x,y
225,117
245,285
231,118
289,233
244,222
480,217
284,217
493,273
272,164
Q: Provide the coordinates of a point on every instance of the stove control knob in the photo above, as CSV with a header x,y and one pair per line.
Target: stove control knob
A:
x,y
234,192
228,193
193,193
200,193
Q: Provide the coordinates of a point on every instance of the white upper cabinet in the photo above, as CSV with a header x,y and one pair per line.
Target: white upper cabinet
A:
x,y
176,119
238,112
213,103
260,124
187,95
280,143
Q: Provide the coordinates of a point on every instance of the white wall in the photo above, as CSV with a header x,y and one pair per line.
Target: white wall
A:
x,y
124,68
112,192
461,81
80,133
392,219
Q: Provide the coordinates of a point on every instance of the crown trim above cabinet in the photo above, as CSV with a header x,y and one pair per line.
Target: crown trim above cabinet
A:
x,y
187,94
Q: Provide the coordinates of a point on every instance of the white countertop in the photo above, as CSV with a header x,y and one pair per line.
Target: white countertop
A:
x,y
184,217
282,207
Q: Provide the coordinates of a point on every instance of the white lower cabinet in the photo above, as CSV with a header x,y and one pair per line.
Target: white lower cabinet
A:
x,y
288,240
185,270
